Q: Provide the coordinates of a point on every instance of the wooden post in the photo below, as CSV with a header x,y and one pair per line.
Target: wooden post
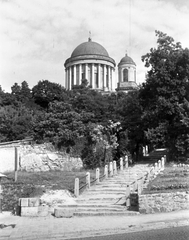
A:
x,y
156,168
121,164
126,161
139,187
88,179
162,163
106,171
97,175
114,167
16,165
159,165
136,185
111,169
76,187
128,191
165,159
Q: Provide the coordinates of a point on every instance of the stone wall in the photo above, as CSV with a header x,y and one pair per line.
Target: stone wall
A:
x,y
41,157
7,159
163,202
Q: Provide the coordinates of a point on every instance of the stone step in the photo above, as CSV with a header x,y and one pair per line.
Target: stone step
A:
x,y
92,206
105,189
108,193
104,213
95,209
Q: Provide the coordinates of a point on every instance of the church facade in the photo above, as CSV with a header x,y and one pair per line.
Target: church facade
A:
x,y
91,61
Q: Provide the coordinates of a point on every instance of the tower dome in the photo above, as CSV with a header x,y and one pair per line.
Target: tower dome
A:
x,y
126,60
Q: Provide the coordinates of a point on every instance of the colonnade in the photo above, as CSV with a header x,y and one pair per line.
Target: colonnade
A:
x,y
98,75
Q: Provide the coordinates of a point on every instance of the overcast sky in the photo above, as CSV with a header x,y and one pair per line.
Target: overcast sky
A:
x,y
37,36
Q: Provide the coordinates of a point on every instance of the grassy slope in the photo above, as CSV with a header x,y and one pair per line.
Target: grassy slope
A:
x,y
35,184
171,179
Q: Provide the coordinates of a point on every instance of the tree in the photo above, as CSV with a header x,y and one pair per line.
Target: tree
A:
x,y
101,142
46,92
164,93
130,111
15,122
61,125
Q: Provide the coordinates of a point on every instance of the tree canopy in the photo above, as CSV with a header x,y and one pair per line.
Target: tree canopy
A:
x,y
164,95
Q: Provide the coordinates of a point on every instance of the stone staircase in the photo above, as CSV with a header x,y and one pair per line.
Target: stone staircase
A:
x,y
109,196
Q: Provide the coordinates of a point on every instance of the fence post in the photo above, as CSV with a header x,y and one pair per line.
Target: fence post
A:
x,y
111,169
165,159
128,191
114,167
162,163
16,164
159,165
136,185
76,187
126,162
88,179
97,175
156,167
139,187
121,164
106,171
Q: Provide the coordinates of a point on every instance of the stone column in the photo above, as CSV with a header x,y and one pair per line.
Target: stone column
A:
x,y
66,78
111,75
86,71
104,77
74,68
70,79
99,78
80,73
109,84
92,76
121,75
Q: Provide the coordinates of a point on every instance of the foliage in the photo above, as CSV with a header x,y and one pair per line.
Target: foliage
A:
x,y
130,110
164,96
61,125
100,144
46,92
82,120
15,122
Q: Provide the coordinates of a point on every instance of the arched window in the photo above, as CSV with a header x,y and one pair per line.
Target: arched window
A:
x,y
125,75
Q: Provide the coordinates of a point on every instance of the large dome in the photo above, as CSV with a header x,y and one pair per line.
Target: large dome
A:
x,y
89,51
127,60
89,48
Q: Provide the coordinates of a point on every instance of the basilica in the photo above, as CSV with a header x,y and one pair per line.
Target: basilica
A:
x,y
91,61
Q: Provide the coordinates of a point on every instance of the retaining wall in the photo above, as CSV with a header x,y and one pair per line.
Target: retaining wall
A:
x,y
163,202
33,158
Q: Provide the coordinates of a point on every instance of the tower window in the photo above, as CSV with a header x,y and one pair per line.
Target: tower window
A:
x,y
125,75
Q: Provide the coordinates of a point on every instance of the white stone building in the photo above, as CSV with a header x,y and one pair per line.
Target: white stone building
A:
x,y
91,61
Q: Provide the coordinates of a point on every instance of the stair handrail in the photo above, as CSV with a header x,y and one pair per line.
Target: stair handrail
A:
x,y
109,171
